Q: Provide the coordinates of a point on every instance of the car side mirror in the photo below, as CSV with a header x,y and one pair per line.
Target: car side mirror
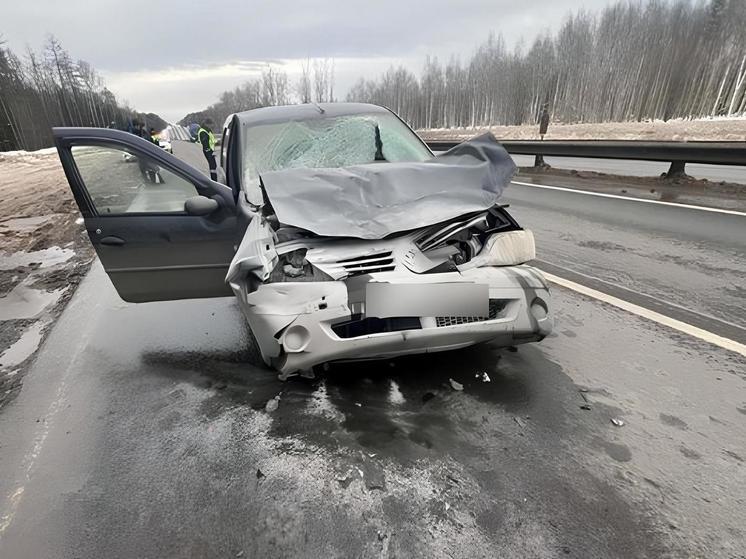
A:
x,y
200,205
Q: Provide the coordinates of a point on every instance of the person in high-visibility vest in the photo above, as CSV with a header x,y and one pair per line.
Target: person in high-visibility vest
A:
x,y
207,139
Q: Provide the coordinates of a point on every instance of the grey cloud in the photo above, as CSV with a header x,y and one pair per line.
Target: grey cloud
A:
x,y
119,38
136,34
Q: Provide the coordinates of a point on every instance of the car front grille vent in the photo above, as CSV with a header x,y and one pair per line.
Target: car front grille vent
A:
x,y
381,262
497,306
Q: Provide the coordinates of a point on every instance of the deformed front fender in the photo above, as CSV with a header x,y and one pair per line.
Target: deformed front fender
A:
x,y
256,254
272,307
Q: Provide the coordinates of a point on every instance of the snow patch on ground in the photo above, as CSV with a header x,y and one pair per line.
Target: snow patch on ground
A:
x,y
44,253
25,302
704,129
720,118
23,153
44,258
25,347
24,224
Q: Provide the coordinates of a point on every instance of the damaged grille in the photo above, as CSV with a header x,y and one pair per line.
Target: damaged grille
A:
x,y
380,262
496,308
359,326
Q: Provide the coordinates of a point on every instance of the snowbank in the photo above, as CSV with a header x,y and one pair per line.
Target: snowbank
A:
x,y
21,154
731,129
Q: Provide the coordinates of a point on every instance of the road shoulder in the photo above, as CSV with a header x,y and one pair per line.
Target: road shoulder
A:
x,y
727,196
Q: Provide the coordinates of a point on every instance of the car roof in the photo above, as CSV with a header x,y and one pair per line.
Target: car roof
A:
x,y
308,111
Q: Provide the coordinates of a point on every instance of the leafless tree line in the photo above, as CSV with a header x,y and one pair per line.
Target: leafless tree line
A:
x,y
49,88
315,84
632,61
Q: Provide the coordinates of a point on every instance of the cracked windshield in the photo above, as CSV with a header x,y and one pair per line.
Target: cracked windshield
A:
x,y
330,142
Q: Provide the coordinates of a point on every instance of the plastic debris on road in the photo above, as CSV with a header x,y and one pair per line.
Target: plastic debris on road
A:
x,y
272,404
617,422
345,479
456,385
483,376
373,475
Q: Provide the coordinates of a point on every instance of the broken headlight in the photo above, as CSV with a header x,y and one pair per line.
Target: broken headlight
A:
x,y
293,267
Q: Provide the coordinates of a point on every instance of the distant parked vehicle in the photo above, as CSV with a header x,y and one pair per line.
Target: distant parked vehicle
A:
x,y
165,144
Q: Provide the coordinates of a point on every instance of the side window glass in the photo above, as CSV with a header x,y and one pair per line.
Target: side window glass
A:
x,y
122,182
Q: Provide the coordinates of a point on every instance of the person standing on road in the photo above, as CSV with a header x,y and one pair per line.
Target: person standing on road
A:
x,y
543,127
207,139
137,128
544,121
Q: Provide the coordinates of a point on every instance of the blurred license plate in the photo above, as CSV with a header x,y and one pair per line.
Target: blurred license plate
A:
x,y
383,300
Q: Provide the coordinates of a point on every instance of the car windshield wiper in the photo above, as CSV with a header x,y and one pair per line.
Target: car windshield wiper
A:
x,y
379,146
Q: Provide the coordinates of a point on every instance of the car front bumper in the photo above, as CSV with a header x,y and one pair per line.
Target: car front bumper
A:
x,y
297,325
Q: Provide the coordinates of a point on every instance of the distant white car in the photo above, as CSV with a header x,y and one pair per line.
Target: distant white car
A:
x,y
165,144
162,143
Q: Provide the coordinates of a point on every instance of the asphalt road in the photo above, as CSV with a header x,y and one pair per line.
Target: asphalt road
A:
x,y
690,263
141,430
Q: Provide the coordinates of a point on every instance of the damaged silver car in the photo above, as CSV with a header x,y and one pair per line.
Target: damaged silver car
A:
x,y
341,235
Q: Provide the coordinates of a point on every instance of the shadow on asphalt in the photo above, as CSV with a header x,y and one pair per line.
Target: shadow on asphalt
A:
x,y
403,408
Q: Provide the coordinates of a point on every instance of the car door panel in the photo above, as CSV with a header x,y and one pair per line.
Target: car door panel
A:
x,y
183,257
133,209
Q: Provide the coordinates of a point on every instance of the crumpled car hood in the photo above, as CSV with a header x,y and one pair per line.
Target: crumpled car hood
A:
x,y
375,200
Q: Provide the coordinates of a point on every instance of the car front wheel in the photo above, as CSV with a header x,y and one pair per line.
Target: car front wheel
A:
x,y
253,353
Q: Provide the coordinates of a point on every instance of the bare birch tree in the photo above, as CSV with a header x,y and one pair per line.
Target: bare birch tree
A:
x,y
630,61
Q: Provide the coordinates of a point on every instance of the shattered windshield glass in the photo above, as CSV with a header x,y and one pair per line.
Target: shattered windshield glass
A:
x,y
329,143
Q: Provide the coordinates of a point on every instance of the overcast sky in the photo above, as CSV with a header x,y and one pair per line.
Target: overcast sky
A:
x,y
175,56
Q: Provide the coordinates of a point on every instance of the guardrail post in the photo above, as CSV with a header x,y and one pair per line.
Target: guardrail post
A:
x,y
676,170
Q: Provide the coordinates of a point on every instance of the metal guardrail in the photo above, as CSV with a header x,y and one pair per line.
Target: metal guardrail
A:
x,y
676,153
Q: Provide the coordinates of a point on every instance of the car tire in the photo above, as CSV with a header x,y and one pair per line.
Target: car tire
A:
x,y
253,353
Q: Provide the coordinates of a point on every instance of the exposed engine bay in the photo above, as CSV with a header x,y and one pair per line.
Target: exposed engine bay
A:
x,y
490,238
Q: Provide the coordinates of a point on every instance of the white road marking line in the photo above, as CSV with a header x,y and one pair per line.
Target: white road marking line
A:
x,y
14,499
699,333
630,198
29,461
664,301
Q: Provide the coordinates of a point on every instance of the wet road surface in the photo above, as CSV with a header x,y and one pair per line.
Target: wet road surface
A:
x,y
689,261
141,431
